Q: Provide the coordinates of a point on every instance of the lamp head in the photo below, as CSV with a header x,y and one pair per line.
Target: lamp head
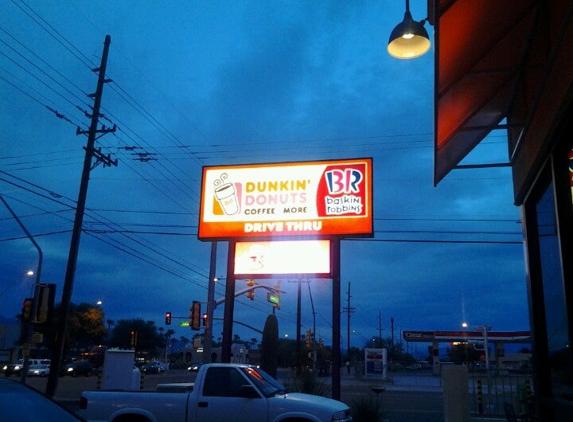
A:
x,y
409,39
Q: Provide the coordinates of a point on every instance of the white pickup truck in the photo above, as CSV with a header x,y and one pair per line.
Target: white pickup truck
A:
x,y
221,393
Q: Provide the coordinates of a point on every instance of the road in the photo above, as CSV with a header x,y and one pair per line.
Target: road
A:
x,y
415,402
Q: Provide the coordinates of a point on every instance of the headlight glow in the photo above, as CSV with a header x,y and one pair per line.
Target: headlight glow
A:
x,y
342,416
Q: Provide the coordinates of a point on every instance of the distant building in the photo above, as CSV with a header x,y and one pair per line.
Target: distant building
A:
x,y
9,335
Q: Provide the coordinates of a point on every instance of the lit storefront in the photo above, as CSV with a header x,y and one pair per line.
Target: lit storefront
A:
x,y
508,65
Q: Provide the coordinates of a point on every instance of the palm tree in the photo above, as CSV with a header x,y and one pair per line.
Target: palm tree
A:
x,y
168,335
184,340
110,323
254,342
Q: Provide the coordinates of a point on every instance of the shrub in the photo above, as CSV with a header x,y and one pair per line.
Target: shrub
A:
x,y
367,409
307,382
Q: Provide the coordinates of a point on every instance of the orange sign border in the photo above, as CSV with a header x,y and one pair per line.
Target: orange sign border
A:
x,y
342,226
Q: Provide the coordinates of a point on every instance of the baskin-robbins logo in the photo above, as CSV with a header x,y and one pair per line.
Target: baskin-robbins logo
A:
x,y
342,191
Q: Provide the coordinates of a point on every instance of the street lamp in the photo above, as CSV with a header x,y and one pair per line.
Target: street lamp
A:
x,y
409,39
208,335
465,326
29,328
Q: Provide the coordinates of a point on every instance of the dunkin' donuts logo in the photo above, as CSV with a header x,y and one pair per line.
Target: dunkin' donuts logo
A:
x,y
227,199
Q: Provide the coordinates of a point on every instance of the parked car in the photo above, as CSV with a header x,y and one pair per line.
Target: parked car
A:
x,y
153,367
12,368
39,370
39,362
77,368
194,367
19,402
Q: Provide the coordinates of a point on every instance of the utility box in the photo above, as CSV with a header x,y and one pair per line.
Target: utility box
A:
x,y
456,394
118,370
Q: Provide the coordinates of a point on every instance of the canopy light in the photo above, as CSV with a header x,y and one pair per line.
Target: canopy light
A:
x,y
409,39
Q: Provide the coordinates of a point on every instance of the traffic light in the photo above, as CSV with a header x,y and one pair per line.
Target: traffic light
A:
x,y
251,293
320,344
276,295
133,338
195,315
27,310
307,338
167,318
204,318
45,305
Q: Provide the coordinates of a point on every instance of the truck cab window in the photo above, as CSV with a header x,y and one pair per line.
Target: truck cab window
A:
x,y
223,382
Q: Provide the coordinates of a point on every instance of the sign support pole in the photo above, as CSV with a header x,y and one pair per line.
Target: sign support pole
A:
x,y
229,305
208,338
336,357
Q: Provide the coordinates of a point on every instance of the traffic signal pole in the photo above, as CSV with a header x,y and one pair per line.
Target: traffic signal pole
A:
x,y
29,326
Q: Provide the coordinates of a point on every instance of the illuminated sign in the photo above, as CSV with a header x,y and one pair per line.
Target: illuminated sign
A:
x,y
375,362
268,259
318,198
273,298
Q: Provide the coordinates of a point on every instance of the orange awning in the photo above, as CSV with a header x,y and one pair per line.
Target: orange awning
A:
x,y
483,50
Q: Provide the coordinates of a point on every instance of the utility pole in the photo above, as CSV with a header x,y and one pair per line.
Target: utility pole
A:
x,y
392,338
313,312
348,309
298,312
313,327
61,329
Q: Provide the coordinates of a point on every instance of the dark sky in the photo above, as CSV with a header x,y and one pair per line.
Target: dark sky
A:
x,y
202,83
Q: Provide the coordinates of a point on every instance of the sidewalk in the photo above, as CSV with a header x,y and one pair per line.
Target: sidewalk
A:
x,y
403,381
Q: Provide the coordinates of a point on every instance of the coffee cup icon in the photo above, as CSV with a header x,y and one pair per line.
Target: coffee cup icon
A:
x,y
227,197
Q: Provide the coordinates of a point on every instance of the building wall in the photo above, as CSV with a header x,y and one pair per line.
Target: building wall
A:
x,y
540,147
